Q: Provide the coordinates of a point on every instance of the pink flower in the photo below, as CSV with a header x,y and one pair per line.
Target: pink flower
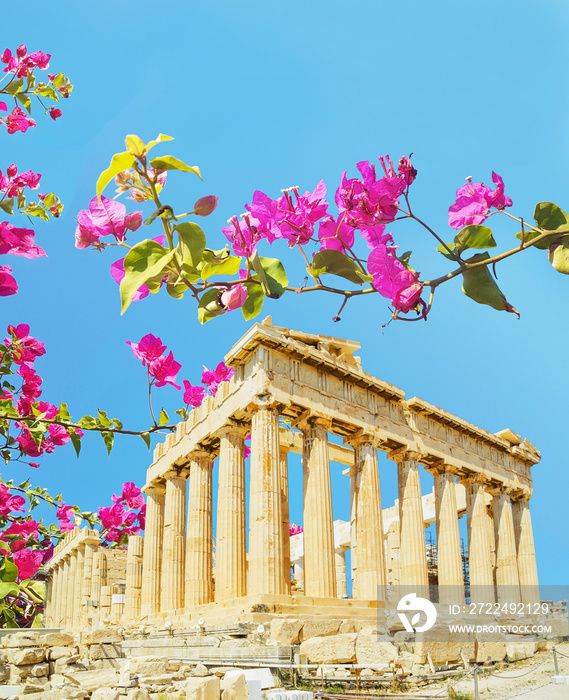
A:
x,y
55,113
112,517
8,284
193,395
104,218
164,371
474,201
393,280
335,235
66,514
244,235
148,349
25,528
18,241
235,297
24,348
3,107
222,373
13,184
295,529
142,516
28,562
17,120
131,495
9,503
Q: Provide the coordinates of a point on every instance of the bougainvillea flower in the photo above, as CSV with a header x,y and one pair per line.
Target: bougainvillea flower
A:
x,y
13,184
193,395
164,370
112,517
18,241
474,201
244,235
8,284
222,373
142,516
104,218
149,348
9,503
55,113
295,529
205,205
3,107
235,297
335,234
131,495
28,562
25,350
17,120
406,170
393,280
25,528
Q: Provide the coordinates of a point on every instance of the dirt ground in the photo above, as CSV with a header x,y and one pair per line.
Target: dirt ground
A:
x,y
523,679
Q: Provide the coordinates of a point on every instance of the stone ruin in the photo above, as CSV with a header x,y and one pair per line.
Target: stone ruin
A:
x,y
291,391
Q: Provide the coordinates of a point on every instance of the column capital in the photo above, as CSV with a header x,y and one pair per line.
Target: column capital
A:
x,y
176,471
233,427
312,419
361,437
267,401
441,467
403,454
474,478
154,488
520,496
200,452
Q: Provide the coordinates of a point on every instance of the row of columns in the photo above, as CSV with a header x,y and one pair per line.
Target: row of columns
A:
x,y
178,557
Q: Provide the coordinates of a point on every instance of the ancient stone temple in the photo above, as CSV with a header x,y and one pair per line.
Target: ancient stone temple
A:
x,y
292,391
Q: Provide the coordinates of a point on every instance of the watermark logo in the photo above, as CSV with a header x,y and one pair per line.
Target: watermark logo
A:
x,y
411,603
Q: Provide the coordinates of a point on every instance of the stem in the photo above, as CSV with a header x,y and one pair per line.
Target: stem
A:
x,y
150,398
337,318
67,424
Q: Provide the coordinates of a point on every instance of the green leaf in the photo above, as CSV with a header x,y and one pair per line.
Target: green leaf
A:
x,y
7,205
254,302
35,209
104,422
160,139
209,306
144,261
26,102
271,274
218,263
334,262
58,81
559,255
47,91
146,438
108,439
478,284
164,418
14,87
159,165
543,244
64,412
8,571
191,246
135,145
119,162
182,412
8,589
474,236
550,217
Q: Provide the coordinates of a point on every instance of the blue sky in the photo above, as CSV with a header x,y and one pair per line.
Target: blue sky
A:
x,y
269,95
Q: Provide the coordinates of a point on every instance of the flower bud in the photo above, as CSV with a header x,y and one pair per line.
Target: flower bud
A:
x,y
21,51
123,177
12,171
55,113
206,205
235,297
138,195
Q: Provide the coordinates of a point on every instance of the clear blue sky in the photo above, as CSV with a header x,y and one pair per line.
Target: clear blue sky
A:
x,y
268,95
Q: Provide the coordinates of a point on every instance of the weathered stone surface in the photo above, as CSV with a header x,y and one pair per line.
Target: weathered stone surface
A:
x,y
203,688
62,664
284,632
234,643
338,649
40,670
348,627
104,636
370,650
235,688
59,652
148,665
487,652
105,694
53,694
27,639
105,664
442,646
91,680
34,685
4,672
104,651
319,628
57,639
200,670
137,694
30,655
516,651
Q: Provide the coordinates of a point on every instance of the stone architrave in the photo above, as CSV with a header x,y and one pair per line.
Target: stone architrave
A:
x,y
266,565
134,576
230,551
527,566
449,555
371,571
173,557
507,577
479,542
413,572
152,558
199,537
319,557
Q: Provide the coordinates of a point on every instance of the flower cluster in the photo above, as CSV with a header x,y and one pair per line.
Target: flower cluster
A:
x,y
125,517
13,184
22,63
295,529
474,201
195,395
17,120
162,369
104,218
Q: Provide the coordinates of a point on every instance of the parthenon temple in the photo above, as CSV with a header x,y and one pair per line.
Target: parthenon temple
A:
x,y
301,393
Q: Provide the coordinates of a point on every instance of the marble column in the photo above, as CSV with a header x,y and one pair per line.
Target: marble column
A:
x,y
78,586
353,541
319,559
230,551
527,566
87,582
99,576
341,578
199,536
152,557
134,576
393,547
479,542
507,577
105,603
299,575
53,615
71,567
173,557
449,555
414,575
266,565
285,517
371,573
